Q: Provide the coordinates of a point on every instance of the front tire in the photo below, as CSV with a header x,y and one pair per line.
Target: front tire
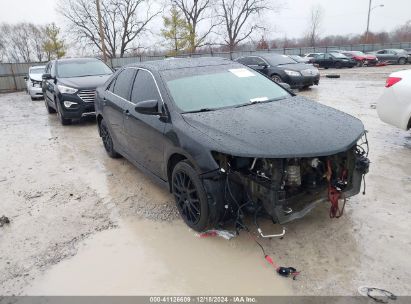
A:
x,y
107,140
64,121
402,61
276,78
190,196
49,109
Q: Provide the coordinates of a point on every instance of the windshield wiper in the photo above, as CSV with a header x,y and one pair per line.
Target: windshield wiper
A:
x,y
201,110
251,102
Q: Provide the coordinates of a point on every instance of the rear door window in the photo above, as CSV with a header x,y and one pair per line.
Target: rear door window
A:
x,y
123,83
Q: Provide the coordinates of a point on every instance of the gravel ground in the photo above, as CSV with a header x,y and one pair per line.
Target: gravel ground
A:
x,y
100,224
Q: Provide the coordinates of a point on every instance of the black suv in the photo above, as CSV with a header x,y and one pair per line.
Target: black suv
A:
x,y
281,68
69,86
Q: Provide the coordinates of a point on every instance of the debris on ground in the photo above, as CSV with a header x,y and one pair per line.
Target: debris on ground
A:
x,y
382,63
373,106
332,76
225,234
379,295
4,220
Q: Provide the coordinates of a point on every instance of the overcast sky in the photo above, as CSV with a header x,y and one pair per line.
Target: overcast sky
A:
x,y
340,16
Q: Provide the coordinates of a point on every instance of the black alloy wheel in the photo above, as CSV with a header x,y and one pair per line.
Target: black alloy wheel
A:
x,y
107,140
190,196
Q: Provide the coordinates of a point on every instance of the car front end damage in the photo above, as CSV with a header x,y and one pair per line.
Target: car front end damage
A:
x,y
288,188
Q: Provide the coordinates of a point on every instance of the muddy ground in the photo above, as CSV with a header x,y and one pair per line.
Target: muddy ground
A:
x,y
82,223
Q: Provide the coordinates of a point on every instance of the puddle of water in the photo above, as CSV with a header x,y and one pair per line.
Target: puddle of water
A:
x,y
144,258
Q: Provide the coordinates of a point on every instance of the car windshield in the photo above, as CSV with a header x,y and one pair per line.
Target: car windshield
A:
x,y
81,68
214,87
296,58
338,55
37,70
275,59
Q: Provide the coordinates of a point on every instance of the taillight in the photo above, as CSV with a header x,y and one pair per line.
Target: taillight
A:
x,y
391,81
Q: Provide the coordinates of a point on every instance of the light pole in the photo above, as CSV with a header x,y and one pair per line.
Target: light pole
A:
x,y
100,25
368,19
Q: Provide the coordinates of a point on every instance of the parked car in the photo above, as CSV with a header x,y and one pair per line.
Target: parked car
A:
x,y
281,68
392,55
409,54
309,56
33,82
336,51
223,138
361,58
333,60
394,106
69,86
299,58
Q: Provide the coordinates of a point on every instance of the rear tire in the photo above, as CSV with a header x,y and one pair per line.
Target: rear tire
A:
x,y
402,60
190,196
107,140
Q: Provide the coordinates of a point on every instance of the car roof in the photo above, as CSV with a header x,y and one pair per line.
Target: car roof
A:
x,y
37,67
76,59
181,63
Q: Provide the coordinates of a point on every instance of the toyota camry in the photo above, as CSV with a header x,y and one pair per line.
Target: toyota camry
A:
x,y
227,140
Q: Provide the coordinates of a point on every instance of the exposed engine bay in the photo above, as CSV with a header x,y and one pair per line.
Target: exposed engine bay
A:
x,y
287,189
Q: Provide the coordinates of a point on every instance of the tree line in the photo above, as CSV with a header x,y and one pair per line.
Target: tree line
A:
x,y
170,27
27,42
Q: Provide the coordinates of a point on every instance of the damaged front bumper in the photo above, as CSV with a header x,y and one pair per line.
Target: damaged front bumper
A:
x,y
288,189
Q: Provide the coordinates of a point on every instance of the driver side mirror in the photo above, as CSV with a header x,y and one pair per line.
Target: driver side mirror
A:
x,y
46,76
26,78
262,65
147,107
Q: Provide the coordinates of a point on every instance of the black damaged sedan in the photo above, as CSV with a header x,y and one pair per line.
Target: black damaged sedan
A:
x,y
227,140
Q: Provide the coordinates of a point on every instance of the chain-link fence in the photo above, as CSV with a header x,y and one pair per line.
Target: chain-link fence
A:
x,y
12,74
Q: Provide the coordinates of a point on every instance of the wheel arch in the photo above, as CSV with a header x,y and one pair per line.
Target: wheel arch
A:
x,y
99,118
172,161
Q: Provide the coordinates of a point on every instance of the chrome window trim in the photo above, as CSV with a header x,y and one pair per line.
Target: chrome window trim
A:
x,y
152,76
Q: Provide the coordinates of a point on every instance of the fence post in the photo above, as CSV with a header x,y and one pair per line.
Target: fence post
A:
x,y
14,76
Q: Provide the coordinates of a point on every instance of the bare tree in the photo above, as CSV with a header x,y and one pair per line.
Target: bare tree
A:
x,y
236,16
314,27
197,12
402,33
38,40
123,22
16,42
